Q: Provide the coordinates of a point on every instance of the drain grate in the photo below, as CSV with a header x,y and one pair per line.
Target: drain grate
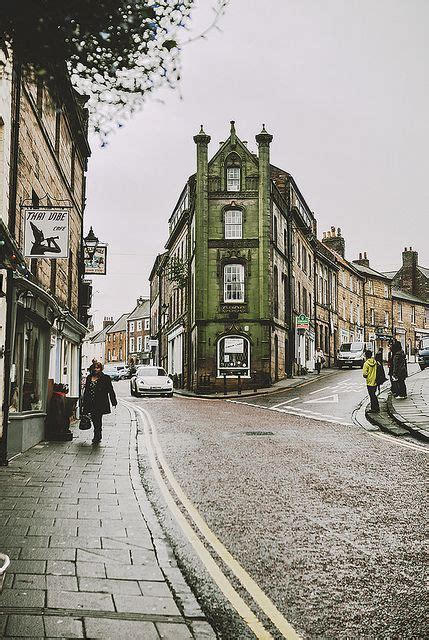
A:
x,y
259,433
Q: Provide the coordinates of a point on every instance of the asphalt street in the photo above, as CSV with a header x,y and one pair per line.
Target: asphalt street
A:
x,y
327,520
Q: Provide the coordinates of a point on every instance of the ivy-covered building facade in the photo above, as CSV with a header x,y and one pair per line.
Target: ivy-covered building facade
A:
x,y
221,298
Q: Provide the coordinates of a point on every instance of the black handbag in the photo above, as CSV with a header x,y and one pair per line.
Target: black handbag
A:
x,y
85,423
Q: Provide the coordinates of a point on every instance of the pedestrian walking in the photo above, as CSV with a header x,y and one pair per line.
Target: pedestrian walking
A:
x,y
98,390
400,371
370,375
319,360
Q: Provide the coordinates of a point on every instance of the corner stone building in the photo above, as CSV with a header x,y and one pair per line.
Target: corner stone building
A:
x,y
226,306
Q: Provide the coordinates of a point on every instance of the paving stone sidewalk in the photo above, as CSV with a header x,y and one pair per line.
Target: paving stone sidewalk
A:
x,y
413,411
88,558
281,385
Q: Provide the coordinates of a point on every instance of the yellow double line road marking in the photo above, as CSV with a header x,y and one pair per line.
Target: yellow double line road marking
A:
x,y
154,452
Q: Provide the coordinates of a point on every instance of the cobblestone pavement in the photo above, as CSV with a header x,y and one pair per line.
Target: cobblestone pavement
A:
x,y
88,558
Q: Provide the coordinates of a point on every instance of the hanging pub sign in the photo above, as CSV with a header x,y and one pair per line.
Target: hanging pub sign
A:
x,y
95,260
46,232
302,321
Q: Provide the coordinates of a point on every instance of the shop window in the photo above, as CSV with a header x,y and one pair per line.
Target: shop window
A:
x,y
233,224
233,356
27,375
233,283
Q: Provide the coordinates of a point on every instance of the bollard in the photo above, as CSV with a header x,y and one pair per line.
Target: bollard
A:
x,y
224,384
239,384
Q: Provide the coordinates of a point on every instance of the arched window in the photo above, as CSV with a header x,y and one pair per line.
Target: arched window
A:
x,y
233,224
233,283
233,356
233,173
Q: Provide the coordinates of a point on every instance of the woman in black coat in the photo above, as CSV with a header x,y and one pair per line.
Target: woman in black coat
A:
x,y
98,390
400,371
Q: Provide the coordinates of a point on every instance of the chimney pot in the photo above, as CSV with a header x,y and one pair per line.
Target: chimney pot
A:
x,y
339,232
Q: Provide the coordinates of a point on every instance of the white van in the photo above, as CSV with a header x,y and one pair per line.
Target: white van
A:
x,y
352,354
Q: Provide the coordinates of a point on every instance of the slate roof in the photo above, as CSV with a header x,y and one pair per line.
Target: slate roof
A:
x,y
120,324
101,335
424,271
370,272
141,311
390,274
403,295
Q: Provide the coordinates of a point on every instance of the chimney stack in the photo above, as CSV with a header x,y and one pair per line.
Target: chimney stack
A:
x,y
107,322
334,240
410,261
363,260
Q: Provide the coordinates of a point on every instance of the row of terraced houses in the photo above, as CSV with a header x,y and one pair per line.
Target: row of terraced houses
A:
x,y
245,287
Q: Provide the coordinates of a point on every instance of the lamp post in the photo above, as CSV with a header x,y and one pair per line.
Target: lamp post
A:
x,y
90,243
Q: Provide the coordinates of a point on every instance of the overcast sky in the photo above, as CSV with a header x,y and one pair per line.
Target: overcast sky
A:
x,y
343,87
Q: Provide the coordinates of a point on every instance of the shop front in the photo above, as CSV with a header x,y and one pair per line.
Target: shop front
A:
x,y
33,314
45,347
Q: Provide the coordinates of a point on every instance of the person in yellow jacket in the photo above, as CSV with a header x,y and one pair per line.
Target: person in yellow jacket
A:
x,y
370,374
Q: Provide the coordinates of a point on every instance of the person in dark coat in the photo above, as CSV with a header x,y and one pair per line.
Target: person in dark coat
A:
x,y
400,371
98,390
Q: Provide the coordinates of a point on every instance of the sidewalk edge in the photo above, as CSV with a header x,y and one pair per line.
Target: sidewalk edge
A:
x,y
182,593
399,419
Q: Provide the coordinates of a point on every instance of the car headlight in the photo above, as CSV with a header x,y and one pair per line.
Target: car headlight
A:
x,y
169,381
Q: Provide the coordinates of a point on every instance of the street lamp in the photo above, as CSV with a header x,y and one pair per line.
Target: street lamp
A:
x,y
61,322
90,243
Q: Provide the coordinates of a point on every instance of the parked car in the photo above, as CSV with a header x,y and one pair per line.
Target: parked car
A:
x,y
124,373
114,371
352,354
150,380
423,354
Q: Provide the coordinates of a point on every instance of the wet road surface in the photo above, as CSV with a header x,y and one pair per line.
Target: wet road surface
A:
x,y
328,520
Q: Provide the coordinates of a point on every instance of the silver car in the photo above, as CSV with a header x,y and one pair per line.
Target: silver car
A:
x,y
150,380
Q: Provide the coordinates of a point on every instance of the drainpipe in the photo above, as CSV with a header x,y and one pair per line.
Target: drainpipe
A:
x,y
13,186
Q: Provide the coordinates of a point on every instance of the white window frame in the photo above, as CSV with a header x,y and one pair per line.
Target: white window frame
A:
x,y
386,319
233,177
370,287
131,327
139,343
372,316
233,282
139,325
233,224
413,315
386,290
147,324
399,312
131,343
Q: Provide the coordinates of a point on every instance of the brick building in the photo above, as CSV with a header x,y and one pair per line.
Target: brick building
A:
x,y
138,333
116,341
43,159
325,295
410,320
377,305
350,292
411,277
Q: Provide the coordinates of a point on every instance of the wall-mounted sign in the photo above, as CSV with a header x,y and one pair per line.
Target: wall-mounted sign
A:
x,y
96,261
46,233
302,321
233,345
